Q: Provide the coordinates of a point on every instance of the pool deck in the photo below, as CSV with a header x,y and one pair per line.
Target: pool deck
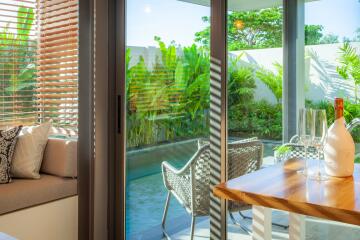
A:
x,y
316,229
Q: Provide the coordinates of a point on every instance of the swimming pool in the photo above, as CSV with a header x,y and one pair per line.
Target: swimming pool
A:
x,y
146,194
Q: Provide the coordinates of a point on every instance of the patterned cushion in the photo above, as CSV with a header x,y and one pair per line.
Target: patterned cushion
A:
x,y
8,140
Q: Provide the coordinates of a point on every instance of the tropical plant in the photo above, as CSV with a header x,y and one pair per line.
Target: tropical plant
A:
x,y
357,35
241,84
329,38
249,29
17,52
313,34
351,111
350,66
256,29
170,99
282,149
272,80
258,119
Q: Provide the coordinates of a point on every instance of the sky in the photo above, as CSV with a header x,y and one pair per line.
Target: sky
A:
x,y
179,21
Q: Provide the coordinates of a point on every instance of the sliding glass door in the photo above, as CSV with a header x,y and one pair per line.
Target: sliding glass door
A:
x,y
254,98
167,110
280,56
332,67
332,58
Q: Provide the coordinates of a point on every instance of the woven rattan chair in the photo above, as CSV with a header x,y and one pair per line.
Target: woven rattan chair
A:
x,y
298,151
190,185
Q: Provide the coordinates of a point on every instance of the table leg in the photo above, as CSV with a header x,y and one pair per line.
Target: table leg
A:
x,y
296,226
261,225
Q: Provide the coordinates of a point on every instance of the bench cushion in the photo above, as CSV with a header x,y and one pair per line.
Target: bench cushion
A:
x,y
23,193
60,158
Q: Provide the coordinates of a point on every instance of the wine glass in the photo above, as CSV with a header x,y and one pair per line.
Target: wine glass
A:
x,y
305,126
319,135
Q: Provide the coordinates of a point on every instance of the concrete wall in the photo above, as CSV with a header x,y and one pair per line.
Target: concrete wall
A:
x,y
321,78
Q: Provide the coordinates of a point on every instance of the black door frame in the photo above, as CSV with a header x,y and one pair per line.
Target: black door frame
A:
x,y
86,121
117,119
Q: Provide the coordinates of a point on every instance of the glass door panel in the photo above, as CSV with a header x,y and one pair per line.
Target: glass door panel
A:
x,y
332,55
167,94
254,91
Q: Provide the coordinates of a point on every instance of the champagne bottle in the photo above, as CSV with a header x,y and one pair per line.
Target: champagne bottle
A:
x,y
339,150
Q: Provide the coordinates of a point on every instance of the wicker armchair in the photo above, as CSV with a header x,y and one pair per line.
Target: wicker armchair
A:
x,y
191,184
298,151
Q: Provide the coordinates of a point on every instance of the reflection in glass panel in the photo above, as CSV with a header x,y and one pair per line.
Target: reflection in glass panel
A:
x,y
255,72
332,58
167,88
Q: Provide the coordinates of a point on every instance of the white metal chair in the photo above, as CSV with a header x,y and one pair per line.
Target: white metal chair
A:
x,y
190,185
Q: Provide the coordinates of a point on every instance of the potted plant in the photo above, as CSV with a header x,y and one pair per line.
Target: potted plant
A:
x,y
281,153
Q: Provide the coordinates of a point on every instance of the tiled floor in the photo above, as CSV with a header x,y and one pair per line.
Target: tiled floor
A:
x,y
316,229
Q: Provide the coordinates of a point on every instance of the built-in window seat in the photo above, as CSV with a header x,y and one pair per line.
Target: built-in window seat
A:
x,y
31,206
23,193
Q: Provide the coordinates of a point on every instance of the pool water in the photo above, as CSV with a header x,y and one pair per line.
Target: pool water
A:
x,y
146,193
145,204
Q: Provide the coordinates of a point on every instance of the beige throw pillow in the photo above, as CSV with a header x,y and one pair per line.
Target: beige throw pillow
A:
x,y
29,151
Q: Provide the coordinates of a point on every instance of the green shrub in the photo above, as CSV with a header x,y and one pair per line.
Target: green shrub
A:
x,y
256,119
171,99
272,80
349,67
351,111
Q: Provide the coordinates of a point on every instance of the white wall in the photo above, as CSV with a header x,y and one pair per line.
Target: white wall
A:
x,y
321,79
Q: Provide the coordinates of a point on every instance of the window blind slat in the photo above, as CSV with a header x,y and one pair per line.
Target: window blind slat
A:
x,y
59,16
42,37
9,4
57,68
58,42
56,78
57,55
57,60
56,31
53,66
60,25
60,48
56,102
18,49
48,7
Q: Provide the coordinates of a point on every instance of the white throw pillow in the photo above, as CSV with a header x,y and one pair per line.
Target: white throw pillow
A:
x,y
29,151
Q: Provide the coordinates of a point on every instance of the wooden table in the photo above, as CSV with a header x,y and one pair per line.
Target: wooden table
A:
x,y
281,187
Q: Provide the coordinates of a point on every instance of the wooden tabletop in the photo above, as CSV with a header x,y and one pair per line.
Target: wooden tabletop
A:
x,y
281,187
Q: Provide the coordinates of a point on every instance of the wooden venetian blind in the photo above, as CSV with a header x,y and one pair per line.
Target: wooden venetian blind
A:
x,y
57,63
18,44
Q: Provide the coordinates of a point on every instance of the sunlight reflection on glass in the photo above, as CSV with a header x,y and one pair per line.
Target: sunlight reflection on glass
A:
x,y
147,9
